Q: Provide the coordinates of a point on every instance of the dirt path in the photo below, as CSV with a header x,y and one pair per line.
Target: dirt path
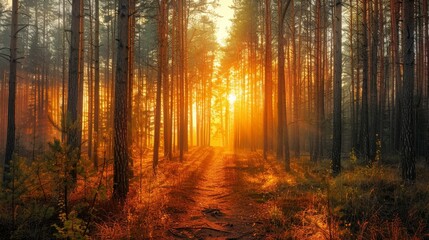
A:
x,y
215,194
206,203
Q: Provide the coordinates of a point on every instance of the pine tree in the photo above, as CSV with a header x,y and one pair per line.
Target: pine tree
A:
x,y
120,148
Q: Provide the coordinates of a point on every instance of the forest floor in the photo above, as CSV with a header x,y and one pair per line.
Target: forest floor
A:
x,y
214,193
219,194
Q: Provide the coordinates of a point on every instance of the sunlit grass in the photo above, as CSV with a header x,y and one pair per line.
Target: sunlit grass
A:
x,y
373,202
361,203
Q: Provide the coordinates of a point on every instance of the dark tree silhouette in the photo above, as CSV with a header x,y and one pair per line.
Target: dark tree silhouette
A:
x,y
408,162
336,148
120,148
13,59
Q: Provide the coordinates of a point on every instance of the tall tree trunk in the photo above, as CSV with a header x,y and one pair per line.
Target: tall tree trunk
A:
x,y
336,148
426,36
268,81
324,74
283,138
296,90
352,76
10,139
90,77
185,74
96,83
253,72
310,102
408,148
130,71
358,74
373,106
383,80
63,82
281,102
364,114
318,83
81,84
394,6
121,155
131,48
162,69
163,25
182,95
73,139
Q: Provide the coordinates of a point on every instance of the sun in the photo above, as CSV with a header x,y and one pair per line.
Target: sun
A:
x,y
232,98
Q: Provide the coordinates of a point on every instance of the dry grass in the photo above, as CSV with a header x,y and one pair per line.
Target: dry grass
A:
x,y
361,203
295,202
373,203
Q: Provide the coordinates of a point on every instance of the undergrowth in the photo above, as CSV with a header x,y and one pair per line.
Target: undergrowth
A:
x,y
32,205
361,203
373,203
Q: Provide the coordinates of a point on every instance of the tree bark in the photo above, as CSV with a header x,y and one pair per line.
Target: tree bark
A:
x,y
163,18
296,69
96,83
121,155
90,77
408,147
162,48
318,78
394,6
182,95
73,136
426,36
267,121
352,66
373,106
131,40
10,139
336,148
364,114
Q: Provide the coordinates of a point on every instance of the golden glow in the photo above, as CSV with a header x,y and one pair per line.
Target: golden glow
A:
x,y
223,23
232,98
